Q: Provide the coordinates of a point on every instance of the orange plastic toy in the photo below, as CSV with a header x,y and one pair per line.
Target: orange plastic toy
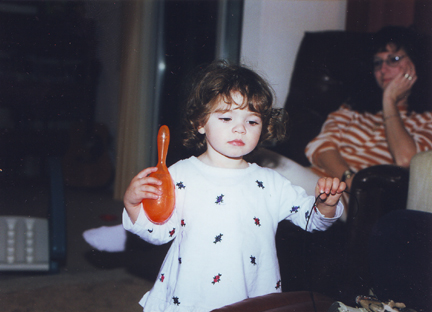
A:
x,y
160,210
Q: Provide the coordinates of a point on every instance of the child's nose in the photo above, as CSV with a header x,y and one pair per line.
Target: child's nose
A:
x,y
239,128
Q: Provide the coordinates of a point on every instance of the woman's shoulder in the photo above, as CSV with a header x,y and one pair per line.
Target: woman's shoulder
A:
x,y
424,117
426,114
343,114
344,110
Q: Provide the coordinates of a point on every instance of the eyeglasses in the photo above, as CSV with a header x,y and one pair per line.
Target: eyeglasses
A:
x,y
392,61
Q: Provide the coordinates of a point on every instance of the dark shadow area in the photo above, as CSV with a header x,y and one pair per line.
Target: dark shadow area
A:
x,y
140,259
190,41
54,153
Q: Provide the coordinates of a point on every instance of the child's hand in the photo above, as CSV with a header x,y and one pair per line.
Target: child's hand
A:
x,y
141,187
329,191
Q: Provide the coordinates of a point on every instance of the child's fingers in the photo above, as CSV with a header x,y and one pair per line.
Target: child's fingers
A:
x,y
337,186
142,186
334,186
135,195
142,179
150,192
321,188
342,187
330,186
325,185
148,186
149,180
146,172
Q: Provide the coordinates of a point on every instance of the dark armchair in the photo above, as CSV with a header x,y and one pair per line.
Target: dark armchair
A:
x,y
330,67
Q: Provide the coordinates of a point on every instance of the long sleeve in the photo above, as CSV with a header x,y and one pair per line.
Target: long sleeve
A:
x,y
150,232
297,207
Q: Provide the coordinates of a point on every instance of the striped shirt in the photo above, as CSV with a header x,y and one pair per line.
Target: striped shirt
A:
x,y
360,137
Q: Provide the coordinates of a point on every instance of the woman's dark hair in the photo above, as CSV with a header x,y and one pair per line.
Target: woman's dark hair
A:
x,y
217,81
417,47
400,37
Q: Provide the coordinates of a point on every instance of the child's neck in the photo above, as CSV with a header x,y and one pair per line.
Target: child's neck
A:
x,y
222,161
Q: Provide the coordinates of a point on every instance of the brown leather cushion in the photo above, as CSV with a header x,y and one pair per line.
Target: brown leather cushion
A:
x,y
298,301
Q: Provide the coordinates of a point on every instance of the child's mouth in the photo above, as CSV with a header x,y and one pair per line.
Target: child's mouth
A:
x,y
236,142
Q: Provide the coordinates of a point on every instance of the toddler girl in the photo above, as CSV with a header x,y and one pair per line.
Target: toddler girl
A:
x,y
227,210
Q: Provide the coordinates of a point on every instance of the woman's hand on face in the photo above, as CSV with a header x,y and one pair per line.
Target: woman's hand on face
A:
x,y
401,85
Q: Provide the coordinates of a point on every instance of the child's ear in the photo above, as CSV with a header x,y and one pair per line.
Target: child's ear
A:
x,y
201,130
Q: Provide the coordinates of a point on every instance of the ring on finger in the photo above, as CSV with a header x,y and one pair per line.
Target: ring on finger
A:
x,y
410,78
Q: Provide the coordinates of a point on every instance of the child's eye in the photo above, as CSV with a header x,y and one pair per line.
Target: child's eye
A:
x,y
253,122
224,118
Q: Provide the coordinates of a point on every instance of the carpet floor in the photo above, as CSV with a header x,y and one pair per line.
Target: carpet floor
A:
x,y
107,291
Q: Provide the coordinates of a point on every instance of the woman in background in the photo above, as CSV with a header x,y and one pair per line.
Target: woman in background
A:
x,y
388,130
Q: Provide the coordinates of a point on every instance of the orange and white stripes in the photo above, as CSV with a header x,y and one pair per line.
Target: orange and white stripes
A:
x,y
360,137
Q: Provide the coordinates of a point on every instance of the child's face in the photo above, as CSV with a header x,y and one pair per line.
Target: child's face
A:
x,y
232,132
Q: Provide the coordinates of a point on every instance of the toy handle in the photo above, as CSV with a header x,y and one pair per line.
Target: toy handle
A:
x,y
163,143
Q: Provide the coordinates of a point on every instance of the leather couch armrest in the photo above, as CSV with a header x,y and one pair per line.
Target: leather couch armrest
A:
x,y
384,187
375,191
420,184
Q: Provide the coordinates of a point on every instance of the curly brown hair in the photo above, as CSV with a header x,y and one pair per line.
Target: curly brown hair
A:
x,y
217,81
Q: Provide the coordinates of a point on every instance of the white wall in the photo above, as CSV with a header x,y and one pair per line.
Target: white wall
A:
x,y
273,30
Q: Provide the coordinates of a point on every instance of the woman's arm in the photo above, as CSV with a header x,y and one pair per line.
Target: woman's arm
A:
x,y
400,142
